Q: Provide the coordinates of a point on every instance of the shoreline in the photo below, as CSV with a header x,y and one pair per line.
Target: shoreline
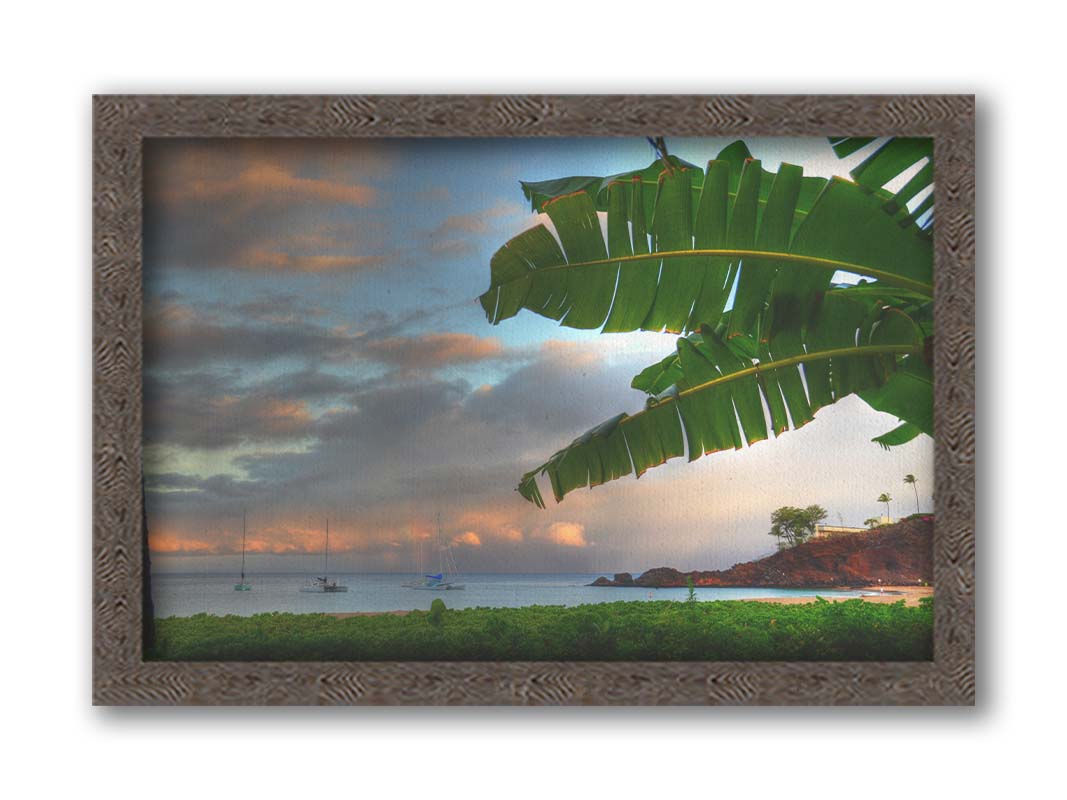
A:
x,y
911,595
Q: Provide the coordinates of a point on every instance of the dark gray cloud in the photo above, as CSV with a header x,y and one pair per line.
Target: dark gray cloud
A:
x,y
205,342
210,411
392,414
397,441
182,335
272,308
171,481
564,389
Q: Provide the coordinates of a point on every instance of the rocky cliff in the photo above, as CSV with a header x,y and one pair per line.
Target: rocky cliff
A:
x,y
897,554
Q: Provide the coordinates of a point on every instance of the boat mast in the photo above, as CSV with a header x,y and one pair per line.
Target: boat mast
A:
x,y
417,548
244,519
326,556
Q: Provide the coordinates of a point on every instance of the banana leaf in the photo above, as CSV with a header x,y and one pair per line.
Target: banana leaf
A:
x,y
889,161
722,400
851,310
676,273
679,243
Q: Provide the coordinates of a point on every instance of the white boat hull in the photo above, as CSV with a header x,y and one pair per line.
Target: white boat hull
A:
x,y
440,587
323,587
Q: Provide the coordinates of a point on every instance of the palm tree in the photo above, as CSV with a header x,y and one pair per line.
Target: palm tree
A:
x,y
678,242
885,498
909,478
872,522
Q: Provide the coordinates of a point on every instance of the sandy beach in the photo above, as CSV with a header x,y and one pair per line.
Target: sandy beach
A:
x,y
911,595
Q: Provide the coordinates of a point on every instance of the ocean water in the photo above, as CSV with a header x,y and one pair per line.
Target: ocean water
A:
x,y
182,595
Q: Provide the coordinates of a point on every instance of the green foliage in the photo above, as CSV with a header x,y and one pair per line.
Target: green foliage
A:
x,y
672,254
793,526
691,594
712,377
678,242
852,630
892,158
437,611
914,483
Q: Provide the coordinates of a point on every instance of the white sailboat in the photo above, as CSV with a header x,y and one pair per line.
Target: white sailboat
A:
x,y
243,586
445,578
420,566
323,584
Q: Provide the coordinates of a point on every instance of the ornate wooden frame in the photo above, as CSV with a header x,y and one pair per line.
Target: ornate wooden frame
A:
x,y
121,677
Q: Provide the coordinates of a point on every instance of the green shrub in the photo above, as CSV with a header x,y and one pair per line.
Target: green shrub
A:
x,y
734,630
437,611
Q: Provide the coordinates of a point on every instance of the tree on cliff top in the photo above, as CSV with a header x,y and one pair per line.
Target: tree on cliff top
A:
x,y
793,526
914,483
886,498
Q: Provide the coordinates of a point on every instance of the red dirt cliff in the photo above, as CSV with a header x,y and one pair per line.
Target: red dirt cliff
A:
x,y
893,555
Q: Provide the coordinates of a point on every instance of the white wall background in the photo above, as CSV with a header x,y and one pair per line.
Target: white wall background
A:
x,y
54,58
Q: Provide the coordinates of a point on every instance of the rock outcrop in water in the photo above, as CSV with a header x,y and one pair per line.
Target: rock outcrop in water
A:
x,y
620,579
897,554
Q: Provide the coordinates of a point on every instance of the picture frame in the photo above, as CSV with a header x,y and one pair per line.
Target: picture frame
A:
x,y
121,676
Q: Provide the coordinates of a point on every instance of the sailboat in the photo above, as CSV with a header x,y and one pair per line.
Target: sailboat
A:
x,y
420,566
243,586
324,584
445,577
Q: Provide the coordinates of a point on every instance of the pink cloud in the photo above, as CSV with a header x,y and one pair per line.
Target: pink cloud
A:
x,y
509,533
567,534
251,176
469,538
433,350
268,259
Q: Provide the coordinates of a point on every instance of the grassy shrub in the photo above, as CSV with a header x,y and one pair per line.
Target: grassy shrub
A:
x,y
738,630
437,612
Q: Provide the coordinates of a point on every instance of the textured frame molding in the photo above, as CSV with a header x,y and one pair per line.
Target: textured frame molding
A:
x,y
121,677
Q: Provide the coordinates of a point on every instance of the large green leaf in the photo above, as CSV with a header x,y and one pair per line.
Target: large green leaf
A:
x,y
541,192
863,310
679,243
902,434
683,279
735,155
719,399
888,162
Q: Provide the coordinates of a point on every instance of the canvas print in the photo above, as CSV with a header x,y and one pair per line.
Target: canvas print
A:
x,y
646,399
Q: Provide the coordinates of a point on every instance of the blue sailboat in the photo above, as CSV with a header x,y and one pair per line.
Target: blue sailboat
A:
x,y
445,578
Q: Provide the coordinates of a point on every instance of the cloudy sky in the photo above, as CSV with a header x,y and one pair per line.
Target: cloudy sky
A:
x,y
314,348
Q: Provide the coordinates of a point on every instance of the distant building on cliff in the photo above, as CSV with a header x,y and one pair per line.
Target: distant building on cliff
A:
x,y
824,531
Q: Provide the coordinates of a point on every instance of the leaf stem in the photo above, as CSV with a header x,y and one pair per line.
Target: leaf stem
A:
x,y
888,278
865,350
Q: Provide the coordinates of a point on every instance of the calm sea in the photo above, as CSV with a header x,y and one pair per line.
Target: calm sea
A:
x,y
182,595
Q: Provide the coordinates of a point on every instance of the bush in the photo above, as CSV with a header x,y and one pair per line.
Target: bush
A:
x,y
437,611
733,630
